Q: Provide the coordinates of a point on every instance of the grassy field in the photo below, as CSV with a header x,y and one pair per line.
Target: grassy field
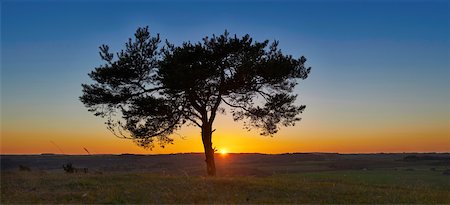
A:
x,y
326,178
422,186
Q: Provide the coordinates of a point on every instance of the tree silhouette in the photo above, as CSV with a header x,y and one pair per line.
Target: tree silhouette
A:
x,y
147,93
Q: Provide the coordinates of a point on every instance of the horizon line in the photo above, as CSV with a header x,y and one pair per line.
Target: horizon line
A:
x,y
180,153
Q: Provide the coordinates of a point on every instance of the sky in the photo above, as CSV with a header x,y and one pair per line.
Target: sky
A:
x,y
380,79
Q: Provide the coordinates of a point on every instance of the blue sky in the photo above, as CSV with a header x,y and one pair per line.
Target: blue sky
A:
x,y
375,63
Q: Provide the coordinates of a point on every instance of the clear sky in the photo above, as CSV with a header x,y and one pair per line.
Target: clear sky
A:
x,y
380,79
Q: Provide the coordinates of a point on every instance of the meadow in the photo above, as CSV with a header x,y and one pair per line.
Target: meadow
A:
x,y
291,178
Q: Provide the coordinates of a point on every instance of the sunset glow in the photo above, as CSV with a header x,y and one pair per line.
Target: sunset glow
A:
x,y
223,152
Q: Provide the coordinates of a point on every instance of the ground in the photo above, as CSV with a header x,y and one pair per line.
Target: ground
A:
x,y
242,178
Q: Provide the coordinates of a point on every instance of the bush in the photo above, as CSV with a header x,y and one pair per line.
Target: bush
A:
x,y
24,168
68,168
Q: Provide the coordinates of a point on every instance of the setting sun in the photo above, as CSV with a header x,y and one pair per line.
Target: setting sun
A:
x,y
223,152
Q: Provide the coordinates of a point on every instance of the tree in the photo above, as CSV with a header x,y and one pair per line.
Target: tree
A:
x,y
147,92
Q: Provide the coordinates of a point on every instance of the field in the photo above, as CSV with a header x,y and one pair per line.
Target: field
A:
x,y
242,178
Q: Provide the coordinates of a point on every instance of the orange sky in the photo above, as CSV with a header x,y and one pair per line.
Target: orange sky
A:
x,y
307,136
330,124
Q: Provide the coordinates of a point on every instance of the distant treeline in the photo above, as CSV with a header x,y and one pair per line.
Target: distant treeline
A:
x,y
424,158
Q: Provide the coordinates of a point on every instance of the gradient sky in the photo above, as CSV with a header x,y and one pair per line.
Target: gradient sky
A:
x,y
380,78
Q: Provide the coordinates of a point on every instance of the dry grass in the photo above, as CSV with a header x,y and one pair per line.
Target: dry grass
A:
x,y
385,186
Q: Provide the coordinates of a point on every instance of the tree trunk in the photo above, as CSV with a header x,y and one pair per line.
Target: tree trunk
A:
x,y
209,151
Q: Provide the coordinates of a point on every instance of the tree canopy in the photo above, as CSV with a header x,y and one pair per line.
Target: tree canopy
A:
x,y
146,92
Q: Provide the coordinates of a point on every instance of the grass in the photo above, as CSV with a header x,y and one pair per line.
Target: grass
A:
x,y
329,187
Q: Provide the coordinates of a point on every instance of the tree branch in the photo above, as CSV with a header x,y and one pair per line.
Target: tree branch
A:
x,y
193,121
237,106
214,109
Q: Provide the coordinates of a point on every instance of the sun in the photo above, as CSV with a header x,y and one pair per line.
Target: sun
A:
x,y
223,152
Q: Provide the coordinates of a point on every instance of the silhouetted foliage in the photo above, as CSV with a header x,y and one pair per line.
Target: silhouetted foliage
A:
x,y
413,158
68,168
146,92
24,168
